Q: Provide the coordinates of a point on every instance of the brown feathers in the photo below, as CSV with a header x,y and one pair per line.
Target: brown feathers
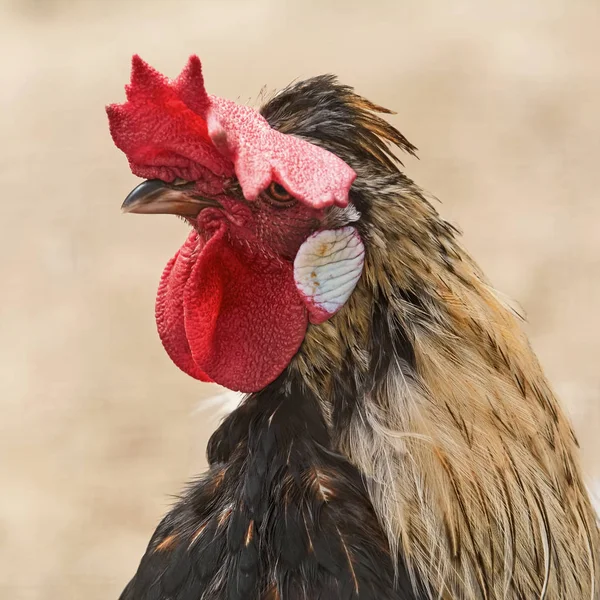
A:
x,y
432,389
473,465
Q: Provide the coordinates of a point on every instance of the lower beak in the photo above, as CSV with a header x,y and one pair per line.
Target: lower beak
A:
x,y
156,197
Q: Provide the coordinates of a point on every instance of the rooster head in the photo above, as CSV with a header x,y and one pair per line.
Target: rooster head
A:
x,y
265,255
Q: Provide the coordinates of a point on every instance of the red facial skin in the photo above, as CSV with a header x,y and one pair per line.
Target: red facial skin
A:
x,y
265,227
227,308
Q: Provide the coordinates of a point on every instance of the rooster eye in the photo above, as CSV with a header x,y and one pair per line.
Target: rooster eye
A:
x,y
279,195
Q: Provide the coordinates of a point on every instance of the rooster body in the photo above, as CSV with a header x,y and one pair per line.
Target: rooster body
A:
x,y
409,446
280,514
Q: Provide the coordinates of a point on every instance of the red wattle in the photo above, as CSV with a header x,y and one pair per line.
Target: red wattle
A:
x,y
169,307
222,318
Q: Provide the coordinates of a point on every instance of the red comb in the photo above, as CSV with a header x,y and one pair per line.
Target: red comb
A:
x,y
172,129
163,137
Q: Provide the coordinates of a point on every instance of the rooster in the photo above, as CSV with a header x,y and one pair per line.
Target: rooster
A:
x,y
398,438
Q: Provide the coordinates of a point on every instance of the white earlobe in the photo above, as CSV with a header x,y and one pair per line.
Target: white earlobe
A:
x,y
327,269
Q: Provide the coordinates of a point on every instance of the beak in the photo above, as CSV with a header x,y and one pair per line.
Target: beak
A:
x,y
155,197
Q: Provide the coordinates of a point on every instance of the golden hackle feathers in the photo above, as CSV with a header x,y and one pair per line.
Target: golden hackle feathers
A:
x,y
471,463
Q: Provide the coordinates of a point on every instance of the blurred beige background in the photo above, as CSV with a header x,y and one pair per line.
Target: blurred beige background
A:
x,y
98,429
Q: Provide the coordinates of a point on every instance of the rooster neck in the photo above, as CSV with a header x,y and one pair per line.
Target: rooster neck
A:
x,y
431,388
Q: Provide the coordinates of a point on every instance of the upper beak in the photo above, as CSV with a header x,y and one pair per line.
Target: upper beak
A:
x,y
155,197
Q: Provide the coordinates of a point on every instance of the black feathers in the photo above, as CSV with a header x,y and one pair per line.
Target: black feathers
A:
x,y
279,515
330,114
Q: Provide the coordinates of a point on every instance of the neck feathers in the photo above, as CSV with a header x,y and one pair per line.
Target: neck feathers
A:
x,y
433,391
